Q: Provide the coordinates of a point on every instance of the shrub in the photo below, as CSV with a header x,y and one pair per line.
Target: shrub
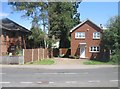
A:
x,y
116,57
19,52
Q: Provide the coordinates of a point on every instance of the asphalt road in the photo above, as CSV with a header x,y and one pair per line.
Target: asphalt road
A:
x,y
37,77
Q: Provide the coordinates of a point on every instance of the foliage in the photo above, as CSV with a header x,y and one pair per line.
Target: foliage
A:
x,y
93,62
57,17
19,52
62,17
43,62
37,11
37,37
111,38
116,58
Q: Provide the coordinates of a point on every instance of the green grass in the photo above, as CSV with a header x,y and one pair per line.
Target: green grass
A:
x,y
93,62
42,62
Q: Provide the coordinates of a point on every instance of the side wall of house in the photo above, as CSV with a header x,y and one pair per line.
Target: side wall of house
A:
x,y
4,44
88,28
9,39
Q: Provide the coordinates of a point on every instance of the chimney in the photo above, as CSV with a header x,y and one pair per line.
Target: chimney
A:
x,y
101,26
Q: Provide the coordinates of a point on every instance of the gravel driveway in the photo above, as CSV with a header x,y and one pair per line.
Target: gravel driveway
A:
x,y
68,61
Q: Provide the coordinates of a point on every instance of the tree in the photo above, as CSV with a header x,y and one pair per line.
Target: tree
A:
x,y
36,39
111,38
58,17
62,17
37,11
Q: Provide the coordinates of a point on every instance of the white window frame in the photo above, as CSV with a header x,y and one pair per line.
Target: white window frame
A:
x,y
96,35
97,49
78,35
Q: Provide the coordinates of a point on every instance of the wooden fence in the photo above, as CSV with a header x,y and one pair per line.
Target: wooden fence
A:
x,y
31,55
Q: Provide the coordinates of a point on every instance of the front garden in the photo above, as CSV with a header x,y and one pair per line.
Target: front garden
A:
x,y
42,62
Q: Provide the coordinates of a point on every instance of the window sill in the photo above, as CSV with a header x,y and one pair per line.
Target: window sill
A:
x,y
96,38
94,51
79,38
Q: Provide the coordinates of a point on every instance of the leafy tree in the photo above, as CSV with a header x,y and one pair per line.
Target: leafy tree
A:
x,y
37,11
111,38
37,35
62,17
58,17
36,38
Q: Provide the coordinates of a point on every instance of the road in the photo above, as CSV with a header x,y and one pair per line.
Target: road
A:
x,y
38,77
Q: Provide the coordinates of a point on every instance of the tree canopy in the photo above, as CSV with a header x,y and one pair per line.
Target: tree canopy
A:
x,y
111,38
57,17
112,34
36,39
62,17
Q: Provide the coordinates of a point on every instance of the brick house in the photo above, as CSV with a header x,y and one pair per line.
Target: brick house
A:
x,y
12,37
86,41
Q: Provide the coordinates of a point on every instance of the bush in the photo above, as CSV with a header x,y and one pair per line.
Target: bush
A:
x,y
116,57
93,62
19,53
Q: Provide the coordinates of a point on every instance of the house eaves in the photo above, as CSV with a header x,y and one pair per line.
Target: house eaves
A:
x,y
82,24
12,26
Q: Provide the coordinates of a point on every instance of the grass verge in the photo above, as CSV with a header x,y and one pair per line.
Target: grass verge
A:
x,y
93,62
42,62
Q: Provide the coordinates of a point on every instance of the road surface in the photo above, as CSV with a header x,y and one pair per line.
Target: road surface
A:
x,y
39,77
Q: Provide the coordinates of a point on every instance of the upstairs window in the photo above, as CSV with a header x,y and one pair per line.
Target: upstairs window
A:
x,y
80,35
96,35
94,49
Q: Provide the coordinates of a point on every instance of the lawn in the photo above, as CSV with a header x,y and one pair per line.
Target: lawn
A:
x,y
42,62
93,62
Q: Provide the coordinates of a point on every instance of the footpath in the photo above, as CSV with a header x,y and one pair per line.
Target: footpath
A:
x,y
61,63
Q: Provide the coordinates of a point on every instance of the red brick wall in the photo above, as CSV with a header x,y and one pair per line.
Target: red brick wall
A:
x,y
9,39
75,50
4,45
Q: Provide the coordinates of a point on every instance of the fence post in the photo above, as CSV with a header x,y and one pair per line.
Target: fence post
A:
x,y
47,54
32,54
38,54
60,52
23,56
43,53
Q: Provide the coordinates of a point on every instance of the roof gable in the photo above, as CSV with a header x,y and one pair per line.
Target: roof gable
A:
x,y
12,26
74,28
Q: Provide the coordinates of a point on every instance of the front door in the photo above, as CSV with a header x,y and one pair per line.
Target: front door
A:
x,y
82,51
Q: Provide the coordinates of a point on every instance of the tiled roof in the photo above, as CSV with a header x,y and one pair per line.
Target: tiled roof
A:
x,y
12,26
82,24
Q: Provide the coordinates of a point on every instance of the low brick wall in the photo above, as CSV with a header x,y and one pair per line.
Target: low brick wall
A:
x,y
31,55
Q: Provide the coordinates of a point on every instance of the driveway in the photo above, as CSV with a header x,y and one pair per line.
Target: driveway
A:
x,y
68,61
